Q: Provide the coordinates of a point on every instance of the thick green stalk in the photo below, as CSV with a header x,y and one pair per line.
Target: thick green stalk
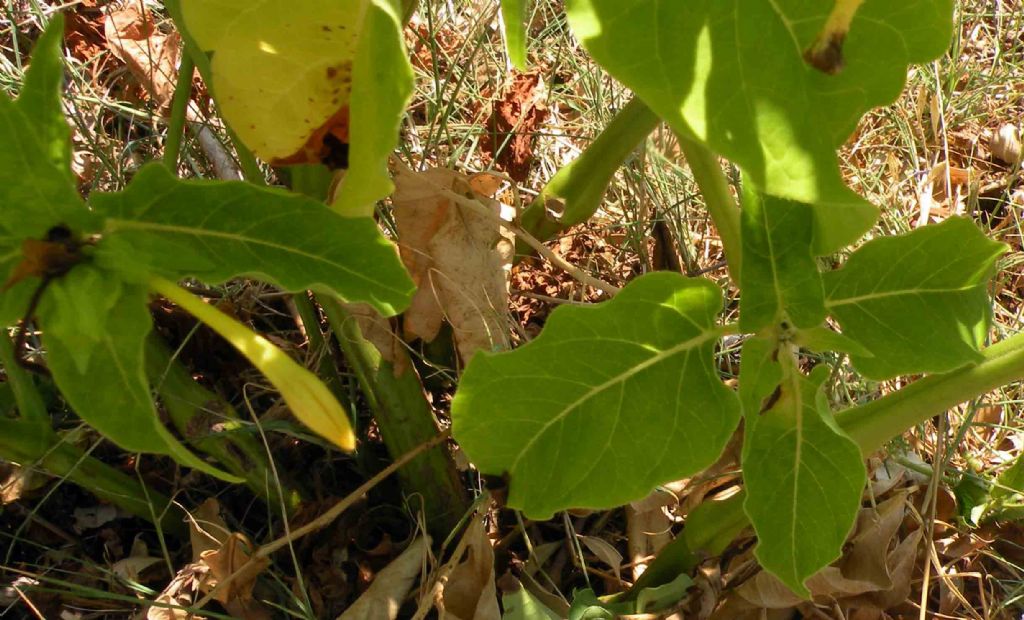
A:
x,y
194,410
30,441
577,189
718,198
406,421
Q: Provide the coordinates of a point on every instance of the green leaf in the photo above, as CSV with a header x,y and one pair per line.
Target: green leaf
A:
x,y
779,277
382,84
513,16
760,373
40,97
111,394
607,403
521,605
804,479
217,230
74,310
36,188
918,302
285,75
821,339
732,74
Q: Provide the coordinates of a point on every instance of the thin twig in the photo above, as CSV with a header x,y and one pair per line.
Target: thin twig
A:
x,y
477,207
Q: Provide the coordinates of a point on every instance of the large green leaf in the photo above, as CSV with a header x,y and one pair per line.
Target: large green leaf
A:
x,y
36,188
608,402
804,479
74,309
918,302
216,230
779,277
732,74
111,392
287,76
760,373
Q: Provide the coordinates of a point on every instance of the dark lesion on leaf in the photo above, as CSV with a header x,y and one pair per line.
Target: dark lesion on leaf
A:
x,y
48,258
827,56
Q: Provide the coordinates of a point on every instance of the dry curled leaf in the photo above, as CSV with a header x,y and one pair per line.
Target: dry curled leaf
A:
x,y
470,592
454,255
151,56
383,599
515,119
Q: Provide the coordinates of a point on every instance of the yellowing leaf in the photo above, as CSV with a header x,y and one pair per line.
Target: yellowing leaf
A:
x,y
310,81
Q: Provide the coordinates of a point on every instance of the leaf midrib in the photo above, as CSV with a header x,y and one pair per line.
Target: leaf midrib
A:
x,y
692,343
114,225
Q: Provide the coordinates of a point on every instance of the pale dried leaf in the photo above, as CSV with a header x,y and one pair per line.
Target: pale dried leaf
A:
x,y
383,599
453,255
648,528
207,529
152,57
605,551
470,592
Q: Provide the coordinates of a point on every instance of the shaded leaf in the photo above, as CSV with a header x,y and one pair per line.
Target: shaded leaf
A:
x,y
918,302
779,277
804,479
733,75
74,310
384,597
607,403
111,392
217,230
821,339
41,94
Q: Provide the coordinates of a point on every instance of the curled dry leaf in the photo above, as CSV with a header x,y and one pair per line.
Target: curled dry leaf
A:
x,y
1005,145
151,56
874,573
457,260
217,554
383,599
515,119
470,592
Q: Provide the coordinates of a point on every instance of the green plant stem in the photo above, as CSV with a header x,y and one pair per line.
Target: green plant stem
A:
x,y
578,188
250,166
30,441
179,108
406,421
871,425
725,213
194,410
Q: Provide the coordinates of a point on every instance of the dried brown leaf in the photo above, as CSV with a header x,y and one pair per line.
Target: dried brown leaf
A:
x,y
151,56
452,254
383,599
470,592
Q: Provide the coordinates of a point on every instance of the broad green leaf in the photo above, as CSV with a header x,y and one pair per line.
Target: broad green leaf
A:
x,y
74,310
112,393
302,81
821,339
732,74
217,230
760,373
521,605
918,302
779,278
40,97
607,403
804,479
513,16
36,188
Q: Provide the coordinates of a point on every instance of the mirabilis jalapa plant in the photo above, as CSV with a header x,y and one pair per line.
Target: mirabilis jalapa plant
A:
x,y
610,400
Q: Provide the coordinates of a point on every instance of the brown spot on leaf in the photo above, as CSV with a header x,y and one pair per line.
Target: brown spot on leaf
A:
x,y
826,55
328,144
